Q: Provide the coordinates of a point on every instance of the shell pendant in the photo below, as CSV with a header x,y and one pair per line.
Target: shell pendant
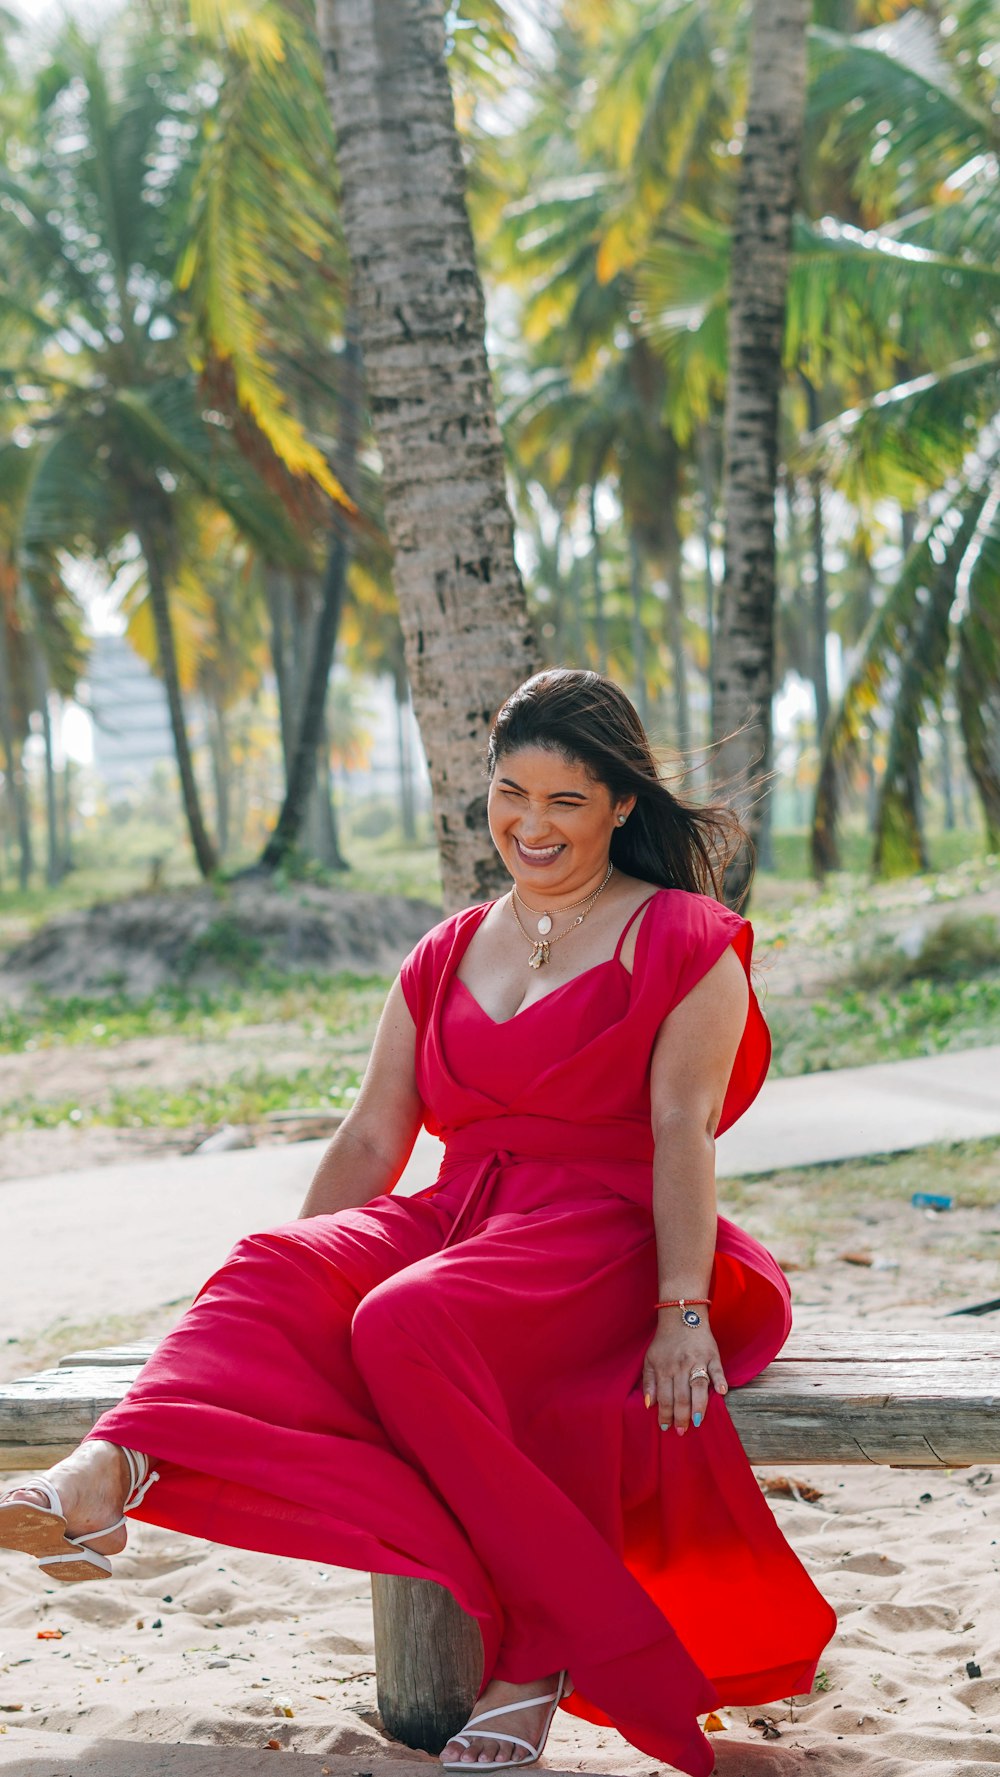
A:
x,y
539,954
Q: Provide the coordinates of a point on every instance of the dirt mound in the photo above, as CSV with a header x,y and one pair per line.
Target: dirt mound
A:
x,y
207,935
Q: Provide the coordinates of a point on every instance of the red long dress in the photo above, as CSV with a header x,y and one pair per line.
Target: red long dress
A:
x,y
448,1385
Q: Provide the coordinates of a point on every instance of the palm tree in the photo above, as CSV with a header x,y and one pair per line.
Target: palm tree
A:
x,y
927,282
761,247
421,325
95,206
41,651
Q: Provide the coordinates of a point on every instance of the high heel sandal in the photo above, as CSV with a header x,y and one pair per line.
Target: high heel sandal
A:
x,y
43,1531
534,1752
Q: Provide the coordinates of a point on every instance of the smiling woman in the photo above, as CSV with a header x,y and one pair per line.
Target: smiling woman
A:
x,y
460,1385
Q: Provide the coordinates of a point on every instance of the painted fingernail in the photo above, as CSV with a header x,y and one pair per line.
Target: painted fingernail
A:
x,y
697,1419
664,1428
648,1399
681,1429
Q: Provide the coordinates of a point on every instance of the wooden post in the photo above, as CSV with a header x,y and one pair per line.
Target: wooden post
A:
x,y
428,1660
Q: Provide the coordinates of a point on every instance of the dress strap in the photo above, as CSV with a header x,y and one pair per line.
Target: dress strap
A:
x,y
631,922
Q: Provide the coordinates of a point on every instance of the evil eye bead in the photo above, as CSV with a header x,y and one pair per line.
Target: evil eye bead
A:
x,y
691,1317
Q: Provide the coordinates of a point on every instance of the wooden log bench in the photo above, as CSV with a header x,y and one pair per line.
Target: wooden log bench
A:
x,y
906,1399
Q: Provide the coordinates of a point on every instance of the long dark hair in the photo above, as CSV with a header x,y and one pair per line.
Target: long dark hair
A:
x,y
584,716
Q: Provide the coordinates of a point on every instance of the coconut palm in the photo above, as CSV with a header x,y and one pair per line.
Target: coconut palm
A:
x,y
761,247
42,651
421,326
928,282
97,187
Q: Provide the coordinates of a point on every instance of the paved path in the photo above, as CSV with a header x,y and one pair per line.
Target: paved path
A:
x,y
123,1239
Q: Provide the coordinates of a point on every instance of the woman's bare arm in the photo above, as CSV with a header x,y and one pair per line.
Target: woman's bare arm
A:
x,y
692,1062
375,1140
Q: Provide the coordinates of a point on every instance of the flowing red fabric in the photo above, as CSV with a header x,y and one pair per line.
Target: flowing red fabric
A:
x,y
448,1385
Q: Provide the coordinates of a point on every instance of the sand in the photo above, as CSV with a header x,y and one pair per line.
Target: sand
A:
x,y
188,1660
192,1646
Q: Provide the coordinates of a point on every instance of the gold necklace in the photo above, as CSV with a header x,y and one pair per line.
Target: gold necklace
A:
x,y
541,945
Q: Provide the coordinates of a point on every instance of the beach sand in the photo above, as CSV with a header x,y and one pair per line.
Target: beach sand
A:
x,y
192,1647
187,1661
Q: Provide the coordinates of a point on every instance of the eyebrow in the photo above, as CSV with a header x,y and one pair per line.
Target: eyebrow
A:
x,y
553,795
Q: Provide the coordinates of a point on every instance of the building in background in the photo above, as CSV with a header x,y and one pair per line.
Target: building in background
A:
x,y
131,723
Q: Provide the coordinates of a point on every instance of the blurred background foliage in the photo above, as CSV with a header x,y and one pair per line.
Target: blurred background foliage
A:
x,y
175,387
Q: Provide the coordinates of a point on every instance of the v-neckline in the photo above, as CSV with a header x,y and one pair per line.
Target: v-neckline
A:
x,y
609,962
644,907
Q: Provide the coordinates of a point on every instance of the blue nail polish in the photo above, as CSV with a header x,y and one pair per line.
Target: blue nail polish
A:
x,y
697,1419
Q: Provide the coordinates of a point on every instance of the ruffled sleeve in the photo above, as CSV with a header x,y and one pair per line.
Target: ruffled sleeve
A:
x,y
695,934
421,969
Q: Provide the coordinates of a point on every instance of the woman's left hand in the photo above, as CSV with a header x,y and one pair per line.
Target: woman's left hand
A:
x,y
676,1350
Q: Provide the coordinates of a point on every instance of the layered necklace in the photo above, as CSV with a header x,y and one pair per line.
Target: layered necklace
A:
x,y
541,945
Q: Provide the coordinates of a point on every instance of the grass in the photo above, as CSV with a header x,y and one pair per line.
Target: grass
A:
x,y
857,1028
966,1171
317,1006
244,1097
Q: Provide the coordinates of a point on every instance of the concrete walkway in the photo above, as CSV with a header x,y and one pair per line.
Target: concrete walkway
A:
x,y
119,1240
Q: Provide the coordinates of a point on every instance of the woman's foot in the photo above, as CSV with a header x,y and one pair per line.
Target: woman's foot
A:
x,y
92,1485
528,1724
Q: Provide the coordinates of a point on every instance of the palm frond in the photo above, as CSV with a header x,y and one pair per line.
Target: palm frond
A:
x,y
263,225
894,86
905,440
892,644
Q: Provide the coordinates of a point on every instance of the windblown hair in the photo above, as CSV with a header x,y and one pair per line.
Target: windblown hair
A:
x,y
586,717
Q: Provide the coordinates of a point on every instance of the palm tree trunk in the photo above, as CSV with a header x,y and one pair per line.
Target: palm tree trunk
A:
x,y
204,850
600,621
17,789
66,810
218,741
673,568
820,615
404,756
947,767
638,629
707,477
422,320
744,666
53,861
302,768
276,596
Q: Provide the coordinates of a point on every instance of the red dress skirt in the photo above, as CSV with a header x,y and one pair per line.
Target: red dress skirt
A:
x,y
448,1385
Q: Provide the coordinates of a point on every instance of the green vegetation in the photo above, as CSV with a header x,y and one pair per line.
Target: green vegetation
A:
x,y
241,1098
854,1028
317,1007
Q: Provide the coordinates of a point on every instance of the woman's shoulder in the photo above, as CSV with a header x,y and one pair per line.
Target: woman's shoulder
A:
x,y
421,967
690,910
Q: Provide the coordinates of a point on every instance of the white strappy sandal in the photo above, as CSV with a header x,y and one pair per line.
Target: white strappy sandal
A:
x,y
533,1752
42,1531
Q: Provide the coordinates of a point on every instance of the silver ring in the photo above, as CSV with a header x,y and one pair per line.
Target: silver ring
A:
x,y
695,1373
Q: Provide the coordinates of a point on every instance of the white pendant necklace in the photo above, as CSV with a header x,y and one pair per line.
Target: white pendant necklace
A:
x,y
541,945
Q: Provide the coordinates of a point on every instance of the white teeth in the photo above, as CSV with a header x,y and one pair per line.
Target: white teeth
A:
x,y
539,851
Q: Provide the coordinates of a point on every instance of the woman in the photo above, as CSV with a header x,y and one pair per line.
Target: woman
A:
x,y
513,1382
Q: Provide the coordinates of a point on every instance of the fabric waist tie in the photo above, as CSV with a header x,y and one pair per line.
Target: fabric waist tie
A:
x,y
497,1142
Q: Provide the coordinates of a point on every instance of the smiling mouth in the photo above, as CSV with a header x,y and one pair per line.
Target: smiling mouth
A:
x,y
539,854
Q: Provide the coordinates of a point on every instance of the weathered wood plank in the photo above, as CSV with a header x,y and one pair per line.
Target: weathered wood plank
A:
x,y
110,1355
924,1399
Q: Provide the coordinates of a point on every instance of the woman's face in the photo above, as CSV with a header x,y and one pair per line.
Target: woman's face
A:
x,y
552,823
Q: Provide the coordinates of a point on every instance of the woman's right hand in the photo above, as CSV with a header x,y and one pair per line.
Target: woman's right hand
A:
x,y
675,1350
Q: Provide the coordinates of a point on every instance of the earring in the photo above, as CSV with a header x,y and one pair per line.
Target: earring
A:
x,y
622,819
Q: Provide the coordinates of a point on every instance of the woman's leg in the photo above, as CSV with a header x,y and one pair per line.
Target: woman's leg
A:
x,y
261,1428
452,1351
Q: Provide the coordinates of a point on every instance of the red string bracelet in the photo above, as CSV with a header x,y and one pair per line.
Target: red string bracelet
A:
x,y
688,1306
